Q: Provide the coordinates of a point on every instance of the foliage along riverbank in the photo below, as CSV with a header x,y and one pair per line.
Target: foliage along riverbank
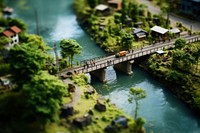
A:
x,y
177,69
36,100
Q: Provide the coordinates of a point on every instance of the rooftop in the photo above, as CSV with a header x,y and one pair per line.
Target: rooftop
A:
x,y
159,29
174,30
15,29
11,31
101,7
115,1
8,33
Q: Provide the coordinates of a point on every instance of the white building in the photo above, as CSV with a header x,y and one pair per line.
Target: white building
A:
x,y
12,33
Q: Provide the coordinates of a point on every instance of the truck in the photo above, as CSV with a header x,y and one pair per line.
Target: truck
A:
x,y
120,54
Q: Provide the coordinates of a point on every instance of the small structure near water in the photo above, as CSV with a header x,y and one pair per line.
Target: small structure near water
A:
x,y
139,34
159,32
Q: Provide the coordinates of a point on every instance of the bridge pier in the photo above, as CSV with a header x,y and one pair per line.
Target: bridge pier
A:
x,y
125,67
99,74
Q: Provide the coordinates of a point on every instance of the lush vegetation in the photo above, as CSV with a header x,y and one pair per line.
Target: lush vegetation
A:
x,y
114,31
35,100
170,5
179,69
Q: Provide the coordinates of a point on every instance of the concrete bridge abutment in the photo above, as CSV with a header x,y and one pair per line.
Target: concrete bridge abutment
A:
x,y
99,74
125,67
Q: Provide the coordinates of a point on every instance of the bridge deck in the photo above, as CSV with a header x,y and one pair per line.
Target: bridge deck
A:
x,y
109,60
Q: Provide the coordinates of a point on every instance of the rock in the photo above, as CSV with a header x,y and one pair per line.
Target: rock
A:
x,y
100,107
71,88
96,117
90,91
83,121
66,111
110,129
91,111
121,120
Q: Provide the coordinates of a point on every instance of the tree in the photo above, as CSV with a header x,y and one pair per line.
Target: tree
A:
x,y
196,56
4,40
136,94
69,48
92,3
19,23
124,10
127,40
25,61
182,60
33,39
43,97
165,9
180,43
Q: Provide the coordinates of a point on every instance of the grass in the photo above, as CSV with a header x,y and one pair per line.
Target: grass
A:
x,y
99,119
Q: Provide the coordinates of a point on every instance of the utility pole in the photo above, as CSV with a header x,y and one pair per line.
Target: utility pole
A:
x,y
37,21
56,56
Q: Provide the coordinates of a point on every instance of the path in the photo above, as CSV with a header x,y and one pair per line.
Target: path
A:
x,y
174,18
76,94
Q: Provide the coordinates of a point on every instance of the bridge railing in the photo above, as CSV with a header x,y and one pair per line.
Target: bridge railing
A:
x,y
135,53
94,59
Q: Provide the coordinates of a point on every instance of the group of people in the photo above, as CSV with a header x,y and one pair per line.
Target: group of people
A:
x,y
89,63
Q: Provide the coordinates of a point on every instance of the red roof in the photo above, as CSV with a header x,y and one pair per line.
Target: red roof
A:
x,y
8,33
12,31
15,29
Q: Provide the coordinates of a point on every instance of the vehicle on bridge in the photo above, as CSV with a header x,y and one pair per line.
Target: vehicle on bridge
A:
x,y
120,54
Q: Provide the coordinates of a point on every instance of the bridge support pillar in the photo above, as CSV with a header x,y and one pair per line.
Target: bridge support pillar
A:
x,y
125,67
99,74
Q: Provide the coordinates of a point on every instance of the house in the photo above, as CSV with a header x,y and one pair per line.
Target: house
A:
x,y
5,83
11,33
159,33
191,8
175,31
139,24
139,34
102,9
7,11
117,4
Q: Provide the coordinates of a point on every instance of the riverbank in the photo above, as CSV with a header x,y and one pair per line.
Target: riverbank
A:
x,y
178,84
184,83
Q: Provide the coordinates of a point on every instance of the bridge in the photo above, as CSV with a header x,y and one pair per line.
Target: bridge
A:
x,y
97,66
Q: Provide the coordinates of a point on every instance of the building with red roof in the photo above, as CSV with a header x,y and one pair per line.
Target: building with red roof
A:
x,y
12,33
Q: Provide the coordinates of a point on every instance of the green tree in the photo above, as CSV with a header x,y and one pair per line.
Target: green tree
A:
x,y
92,3
4,40
124,10
182,60
196,56
19,23
127,40
165,10
136,94
2,3
43,97
34,39
69,48
25,61
180,43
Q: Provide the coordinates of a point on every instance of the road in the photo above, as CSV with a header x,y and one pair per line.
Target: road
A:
x,y
174,18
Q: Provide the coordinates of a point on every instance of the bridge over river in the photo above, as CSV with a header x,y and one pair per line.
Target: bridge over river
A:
x,y
97,66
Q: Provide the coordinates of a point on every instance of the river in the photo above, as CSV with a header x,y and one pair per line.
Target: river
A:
x,y
163,112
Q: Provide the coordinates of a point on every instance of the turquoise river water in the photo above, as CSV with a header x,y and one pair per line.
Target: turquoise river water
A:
x,y
163,112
